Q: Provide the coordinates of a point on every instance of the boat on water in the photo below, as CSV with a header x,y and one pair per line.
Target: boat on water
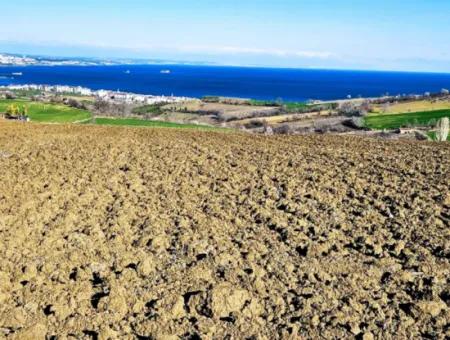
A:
x,y
127,72
17,73
165,72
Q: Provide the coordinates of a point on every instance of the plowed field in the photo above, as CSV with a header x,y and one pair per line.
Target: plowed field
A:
x,y
135,233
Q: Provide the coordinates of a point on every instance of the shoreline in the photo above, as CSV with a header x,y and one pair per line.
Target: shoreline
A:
x,y
149,99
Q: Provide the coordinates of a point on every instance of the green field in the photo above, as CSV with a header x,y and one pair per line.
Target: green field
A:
x,y
287,105
395,121
150,123
48,113
152,110
255,102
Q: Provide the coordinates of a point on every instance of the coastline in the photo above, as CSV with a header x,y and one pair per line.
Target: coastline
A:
x,y
291,85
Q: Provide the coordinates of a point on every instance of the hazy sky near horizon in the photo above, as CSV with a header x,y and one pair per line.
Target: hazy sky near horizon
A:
x,y
384,34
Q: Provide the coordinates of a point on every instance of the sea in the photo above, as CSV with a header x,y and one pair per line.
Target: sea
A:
x,y
240,82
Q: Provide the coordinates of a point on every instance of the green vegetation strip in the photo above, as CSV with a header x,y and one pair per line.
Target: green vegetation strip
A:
x,y
150,123
395,121
432,135
152,110
48,113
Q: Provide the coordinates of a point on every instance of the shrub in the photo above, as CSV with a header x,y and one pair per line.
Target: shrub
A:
x,y
351,109
268,131
255,123
284,129
76,104
10,95
14,110
432,122
355,123
442,128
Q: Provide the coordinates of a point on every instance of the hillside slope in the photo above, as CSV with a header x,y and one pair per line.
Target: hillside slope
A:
x,y
140,233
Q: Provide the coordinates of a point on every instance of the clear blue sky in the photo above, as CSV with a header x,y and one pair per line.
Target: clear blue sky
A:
x,y
363,34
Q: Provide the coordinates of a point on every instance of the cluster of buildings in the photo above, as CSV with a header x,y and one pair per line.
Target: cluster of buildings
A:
x,y
17,60
132,98
6,59
76,90
104,95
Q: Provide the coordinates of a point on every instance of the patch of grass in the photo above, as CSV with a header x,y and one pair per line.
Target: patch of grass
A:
x,y
150,123
432,135
296,106
47,113
414,106
395,121
254,102
293,107
26,93
153,110
211,99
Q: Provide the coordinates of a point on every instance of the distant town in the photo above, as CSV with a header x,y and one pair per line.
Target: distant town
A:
x,y
18,60
9,59
104,95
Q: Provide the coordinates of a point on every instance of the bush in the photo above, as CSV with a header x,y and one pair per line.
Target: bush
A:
x,y
16,111
432,122
350,109
284,129
10,95
255,123
76,104
355,123
442,129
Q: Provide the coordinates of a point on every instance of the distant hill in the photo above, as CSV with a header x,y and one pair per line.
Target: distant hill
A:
x,y
11,59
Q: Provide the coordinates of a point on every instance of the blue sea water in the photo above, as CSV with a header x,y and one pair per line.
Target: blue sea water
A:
x,y
257,83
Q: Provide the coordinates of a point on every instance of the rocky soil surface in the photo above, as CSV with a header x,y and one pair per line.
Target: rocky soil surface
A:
x,y
118,233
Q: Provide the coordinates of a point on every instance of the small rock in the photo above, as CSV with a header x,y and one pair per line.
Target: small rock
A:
x,y
146,267
177,310
160,243
15,318
432,308
399,247
447,200
37,331
107,334
367,336
377,249
226,299
172,306
315,321
354,328
117,301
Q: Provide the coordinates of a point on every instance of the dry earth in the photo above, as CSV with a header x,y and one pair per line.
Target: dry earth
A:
x,y
119,233
226,111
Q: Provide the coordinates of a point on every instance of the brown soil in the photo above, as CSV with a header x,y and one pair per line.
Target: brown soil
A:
x,y
153,233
